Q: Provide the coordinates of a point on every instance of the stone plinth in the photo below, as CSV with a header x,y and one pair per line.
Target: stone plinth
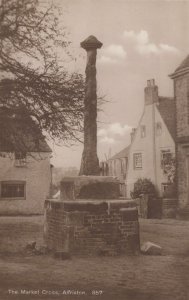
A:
x,y
94,227
89,187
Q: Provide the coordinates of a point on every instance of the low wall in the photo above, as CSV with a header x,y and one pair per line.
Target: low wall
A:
x,y
149,207
92,227
169,207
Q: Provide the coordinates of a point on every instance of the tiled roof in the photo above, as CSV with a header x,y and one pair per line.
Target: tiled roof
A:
x,y
31,145
183,139
184,64
31,139
123,153
167,109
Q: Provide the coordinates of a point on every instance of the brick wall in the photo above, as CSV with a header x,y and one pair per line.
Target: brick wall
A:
x,y
182,105
181,85
182,184
92,227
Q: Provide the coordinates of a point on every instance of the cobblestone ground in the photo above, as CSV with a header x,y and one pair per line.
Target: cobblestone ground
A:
x,y
140,277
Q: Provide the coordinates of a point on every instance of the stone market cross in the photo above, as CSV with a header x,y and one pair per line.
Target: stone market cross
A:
x,y
90,162
90,219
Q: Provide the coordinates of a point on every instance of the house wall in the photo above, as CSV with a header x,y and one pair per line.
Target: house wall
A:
x,y
37,175
182,105
182,175
118,167
181,89
162,142
150,146
145,147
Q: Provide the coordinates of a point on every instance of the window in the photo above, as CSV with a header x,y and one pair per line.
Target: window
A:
x,y
20,159
142,131
137,160
166,157
13,189
158,128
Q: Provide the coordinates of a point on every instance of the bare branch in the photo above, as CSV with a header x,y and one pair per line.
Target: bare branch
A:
x,y
35,88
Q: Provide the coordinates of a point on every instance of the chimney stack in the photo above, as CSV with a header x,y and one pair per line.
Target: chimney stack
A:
x,y
151,92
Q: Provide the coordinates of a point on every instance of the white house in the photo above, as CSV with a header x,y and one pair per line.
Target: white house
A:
x,y
152,143
25,178
117,166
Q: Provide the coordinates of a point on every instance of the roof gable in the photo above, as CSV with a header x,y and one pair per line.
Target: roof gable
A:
x,y
122,154
184,64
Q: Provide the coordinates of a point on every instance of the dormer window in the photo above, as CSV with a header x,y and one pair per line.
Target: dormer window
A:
x,y
20,159
142,131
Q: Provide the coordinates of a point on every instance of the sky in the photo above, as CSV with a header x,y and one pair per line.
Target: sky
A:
x,y
141,40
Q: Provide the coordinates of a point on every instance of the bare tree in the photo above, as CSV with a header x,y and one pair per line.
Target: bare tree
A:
x,y
35,87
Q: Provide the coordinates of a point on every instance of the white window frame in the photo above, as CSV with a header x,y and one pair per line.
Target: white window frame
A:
x,y
137,166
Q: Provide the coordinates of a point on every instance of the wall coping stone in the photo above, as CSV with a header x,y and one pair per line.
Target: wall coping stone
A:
x,y
97,206
84,201
90,177
128,209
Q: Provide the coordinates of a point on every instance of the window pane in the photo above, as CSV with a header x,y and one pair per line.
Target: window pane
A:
x,y
12,190
137,160
166,157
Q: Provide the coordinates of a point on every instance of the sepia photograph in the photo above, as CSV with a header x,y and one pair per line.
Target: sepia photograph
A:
x,y
94,149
